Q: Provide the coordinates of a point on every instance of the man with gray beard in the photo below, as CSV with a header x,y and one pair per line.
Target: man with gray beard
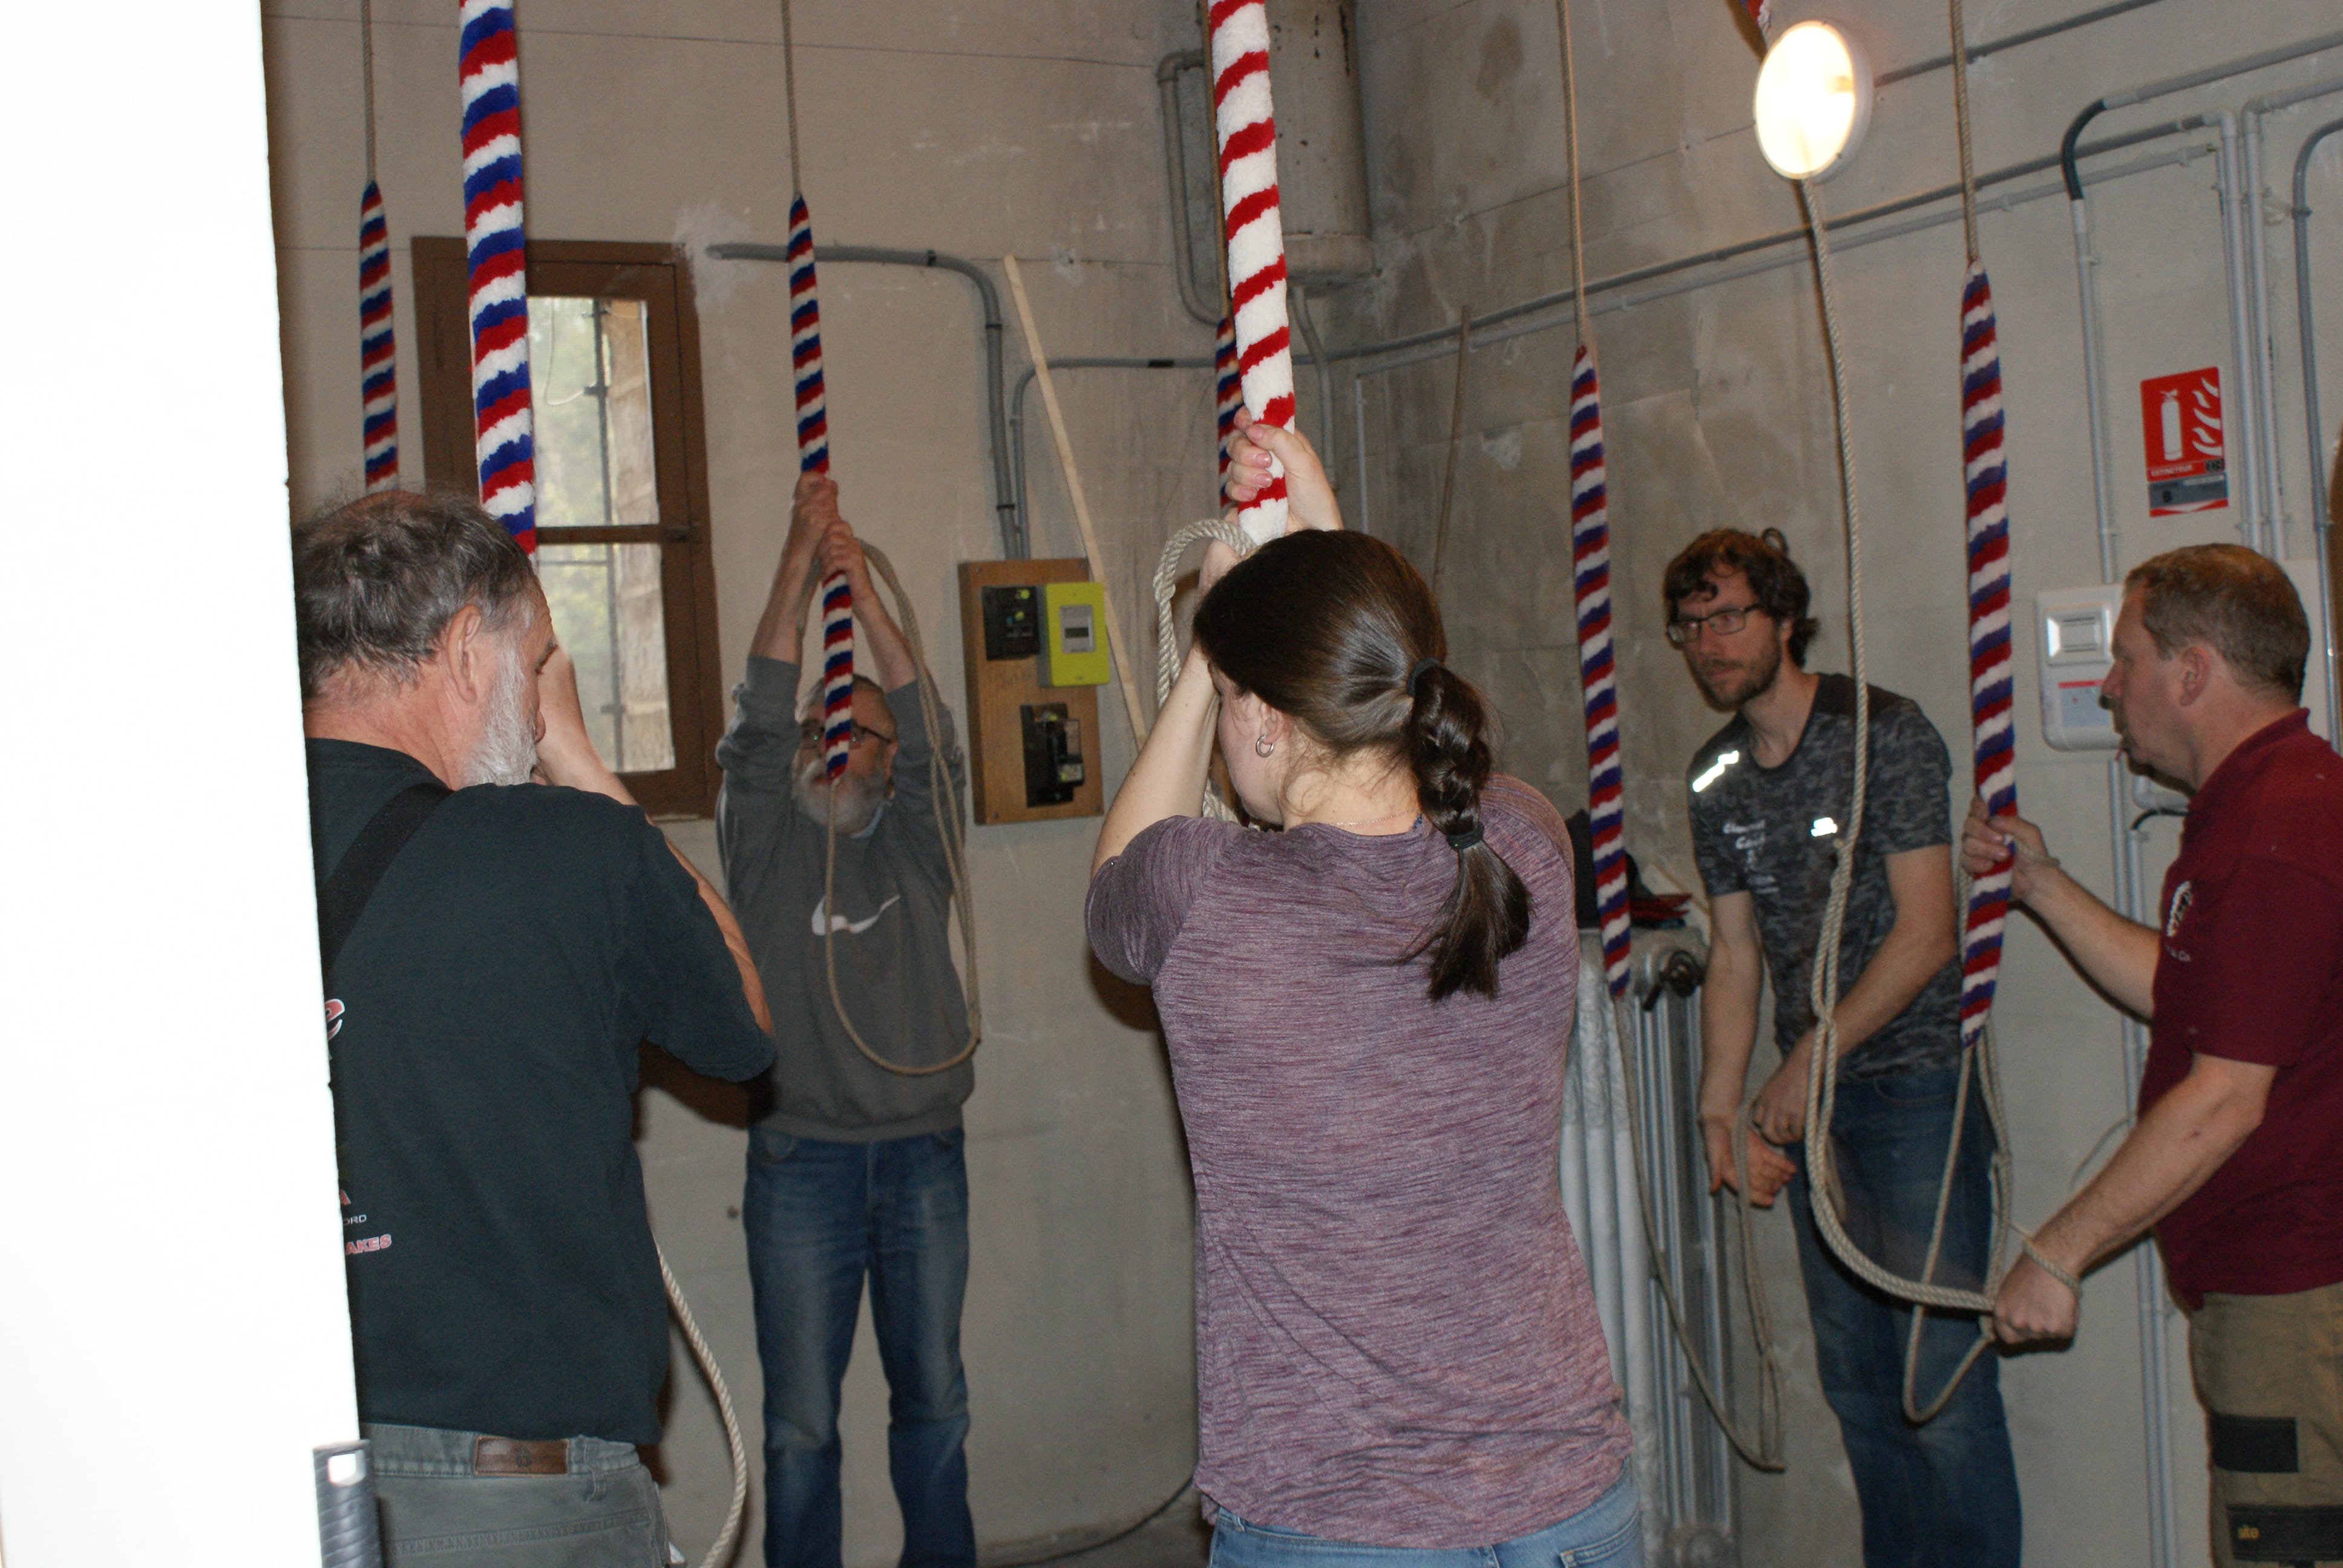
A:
x,y
494,953
858,1171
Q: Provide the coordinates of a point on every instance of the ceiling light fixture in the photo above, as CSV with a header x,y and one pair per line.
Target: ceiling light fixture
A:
x,y
1813,102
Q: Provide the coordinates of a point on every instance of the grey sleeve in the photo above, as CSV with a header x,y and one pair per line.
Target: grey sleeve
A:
x,y
757,755
1139,900
911,819
1909,806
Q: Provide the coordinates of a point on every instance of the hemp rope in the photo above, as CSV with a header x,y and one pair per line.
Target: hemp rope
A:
x,y
496,284
1167,637
1590,528
378,344
944,797
1822,1086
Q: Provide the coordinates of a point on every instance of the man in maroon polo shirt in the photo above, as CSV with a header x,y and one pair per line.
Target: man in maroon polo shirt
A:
x,y
2237,1156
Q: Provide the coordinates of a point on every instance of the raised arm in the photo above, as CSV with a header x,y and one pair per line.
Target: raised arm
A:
x,y
883,643
2117,955
780,630
1168,778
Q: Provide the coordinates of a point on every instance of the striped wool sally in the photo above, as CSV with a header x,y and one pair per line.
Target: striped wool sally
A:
x,y
1246,131
495,245
377,348
813,458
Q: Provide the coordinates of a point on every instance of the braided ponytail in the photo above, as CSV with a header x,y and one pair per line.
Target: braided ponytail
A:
x,y
1487,915
1339,633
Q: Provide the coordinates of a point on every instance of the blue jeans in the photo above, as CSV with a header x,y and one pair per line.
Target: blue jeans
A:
x,y
1606,1534
1943,1494
820,1217
604,1512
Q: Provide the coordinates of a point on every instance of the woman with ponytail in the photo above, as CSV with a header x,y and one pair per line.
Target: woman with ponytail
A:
x,y
1398,1357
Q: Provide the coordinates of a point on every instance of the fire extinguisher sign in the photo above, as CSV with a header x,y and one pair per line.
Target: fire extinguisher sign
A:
x,y
2180,431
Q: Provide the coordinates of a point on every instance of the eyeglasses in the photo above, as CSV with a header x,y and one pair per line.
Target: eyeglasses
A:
x,y
1684,629
810,734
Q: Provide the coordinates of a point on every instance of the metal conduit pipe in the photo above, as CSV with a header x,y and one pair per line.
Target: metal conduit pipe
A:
x,y
1517,328
2252,121
2313,431
1491,327
2240,412
1090,362
1175,169
1014,546
1995,45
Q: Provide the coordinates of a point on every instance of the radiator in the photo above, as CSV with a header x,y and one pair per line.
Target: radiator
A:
x,y
1684,1465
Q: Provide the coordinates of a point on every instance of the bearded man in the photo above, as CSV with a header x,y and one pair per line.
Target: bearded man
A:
x,y
845,892
495,951
1769,810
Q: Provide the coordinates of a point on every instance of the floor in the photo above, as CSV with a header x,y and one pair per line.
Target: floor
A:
x,y
1176,1537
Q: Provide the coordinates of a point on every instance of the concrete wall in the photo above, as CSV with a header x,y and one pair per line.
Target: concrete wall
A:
x,y
1717,411
976,129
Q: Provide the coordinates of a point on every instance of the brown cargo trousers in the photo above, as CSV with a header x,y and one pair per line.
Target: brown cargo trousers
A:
x,y
2270,1372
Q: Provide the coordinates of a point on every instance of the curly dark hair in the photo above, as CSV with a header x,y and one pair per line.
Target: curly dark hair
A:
x,y
1764,560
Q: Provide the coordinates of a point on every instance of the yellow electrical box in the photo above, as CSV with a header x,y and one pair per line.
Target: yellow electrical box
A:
x,y
1073,634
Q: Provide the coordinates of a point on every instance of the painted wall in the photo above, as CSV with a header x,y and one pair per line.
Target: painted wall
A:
x,y
175,1340
976,129
1717,411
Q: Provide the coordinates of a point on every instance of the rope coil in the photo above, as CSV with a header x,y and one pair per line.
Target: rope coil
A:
x,y
943,795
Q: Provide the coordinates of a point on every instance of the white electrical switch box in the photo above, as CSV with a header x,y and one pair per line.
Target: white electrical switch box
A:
x,y
2077,632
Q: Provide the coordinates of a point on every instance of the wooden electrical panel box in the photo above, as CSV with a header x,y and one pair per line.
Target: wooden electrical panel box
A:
x,y
1033,750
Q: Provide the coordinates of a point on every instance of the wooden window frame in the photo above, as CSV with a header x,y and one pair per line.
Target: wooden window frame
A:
x,y
660,276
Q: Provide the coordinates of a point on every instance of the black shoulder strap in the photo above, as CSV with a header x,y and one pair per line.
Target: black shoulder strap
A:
x,y
345,894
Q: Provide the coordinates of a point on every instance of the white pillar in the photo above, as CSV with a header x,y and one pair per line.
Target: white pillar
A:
x,y
174,1335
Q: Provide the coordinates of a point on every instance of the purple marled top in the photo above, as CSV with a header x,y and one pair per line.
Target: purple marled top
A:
x,y
1395,1339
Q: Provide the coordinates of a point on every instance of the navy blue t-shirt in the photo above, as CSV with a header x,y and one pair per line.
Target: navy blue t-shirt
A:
x,y
491,999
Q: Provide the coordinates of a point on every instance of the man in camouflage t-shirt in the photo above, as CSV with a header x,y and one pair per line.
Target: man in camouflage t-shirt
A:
x,y
1770,796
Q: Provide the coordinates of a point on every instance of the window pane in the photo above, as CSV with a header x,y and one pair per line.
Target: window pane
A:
x,y
608,612
591,359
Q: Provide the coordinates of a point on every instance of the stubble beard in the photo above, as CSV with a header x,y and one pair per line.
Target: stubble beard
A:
x,y
507,753
1736,686
856,798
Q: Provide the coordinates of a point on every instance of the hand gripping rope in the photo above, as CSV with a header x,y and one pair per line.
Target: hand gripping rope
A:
x,y
813,437
1987,552
1590,550
1246,129
378,347
495,245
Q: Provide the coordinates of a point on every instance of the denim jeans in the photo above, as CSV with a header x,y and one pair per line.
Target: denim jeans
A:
x,y
1943,1494
604,1514
1606,1534
820,1216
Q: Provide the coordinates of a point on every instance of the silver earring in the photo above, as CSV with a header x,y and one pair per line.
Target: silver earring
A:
x,y
1262,746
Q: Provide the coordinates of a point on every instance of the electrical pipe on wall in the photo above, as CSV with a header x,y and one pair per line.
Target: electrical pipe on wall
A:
x,y
2313,430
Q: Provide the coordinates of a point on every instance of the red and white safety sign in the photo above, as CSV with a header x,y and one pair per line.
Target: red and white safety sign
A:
x,y
2180,433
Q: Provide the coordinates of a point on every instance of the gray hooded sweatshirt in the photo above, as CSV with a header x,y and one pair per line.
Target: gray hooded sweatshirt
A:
x,y
890,925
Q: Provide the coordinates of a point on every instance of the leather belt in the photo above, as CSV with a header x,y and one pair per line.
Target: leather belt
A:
x,y
518,1456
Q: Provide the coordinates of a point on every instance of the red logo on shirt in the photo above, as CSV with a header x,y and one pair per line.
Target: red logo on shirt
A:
x,y
333,1016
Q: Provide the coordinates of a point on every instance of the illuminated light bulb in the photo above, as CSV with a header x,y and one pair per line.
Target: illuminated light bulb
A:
x,y
1813,102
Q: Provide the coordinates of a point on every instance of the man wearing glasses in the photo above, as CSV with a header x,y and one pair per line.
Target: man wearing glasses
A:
x,y
1769,803
855,1170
